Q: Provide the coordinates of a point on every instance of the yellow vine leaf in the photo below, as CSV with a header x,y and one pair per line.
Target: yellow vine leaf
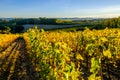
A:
x,y
107,53
79,57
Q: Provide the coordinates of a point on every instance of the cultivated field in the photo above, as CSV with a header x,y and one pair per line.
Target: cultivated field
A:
x,y
26,27
49,55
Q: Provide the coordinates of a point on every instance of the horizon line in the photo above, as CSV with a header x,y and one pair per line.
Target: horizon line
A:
x,y
65,17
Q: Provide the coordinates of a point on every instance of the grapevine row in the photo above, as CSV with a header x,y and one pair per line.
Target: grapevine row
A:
x,y
88,54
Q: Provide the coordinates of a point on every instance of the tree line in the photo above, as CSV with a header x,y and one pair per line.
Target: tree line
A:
x,y
16,25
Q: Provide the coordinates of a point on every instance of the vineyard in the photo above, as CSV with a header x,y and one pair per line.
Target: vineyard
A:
x,y
6,39
60,55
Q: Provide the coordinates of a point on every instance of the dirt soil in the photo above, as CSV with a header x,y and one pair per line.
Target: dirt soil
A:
x,y
15,63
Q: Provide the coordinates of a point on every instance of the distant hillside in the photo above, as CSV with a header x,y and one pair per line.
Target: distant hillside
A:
x,y
7,18
80,18
60,18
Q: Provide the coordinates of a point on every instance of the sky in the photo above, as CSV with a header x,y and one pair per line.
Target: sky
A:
x,y
59,8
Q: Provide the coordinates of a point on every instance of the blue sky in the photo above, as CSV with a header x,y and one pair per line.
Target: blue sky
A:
x,y
59,8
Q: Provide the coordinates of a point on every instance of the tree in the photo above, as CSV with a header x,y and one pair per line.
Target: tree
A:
x,y
5,29
18,28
